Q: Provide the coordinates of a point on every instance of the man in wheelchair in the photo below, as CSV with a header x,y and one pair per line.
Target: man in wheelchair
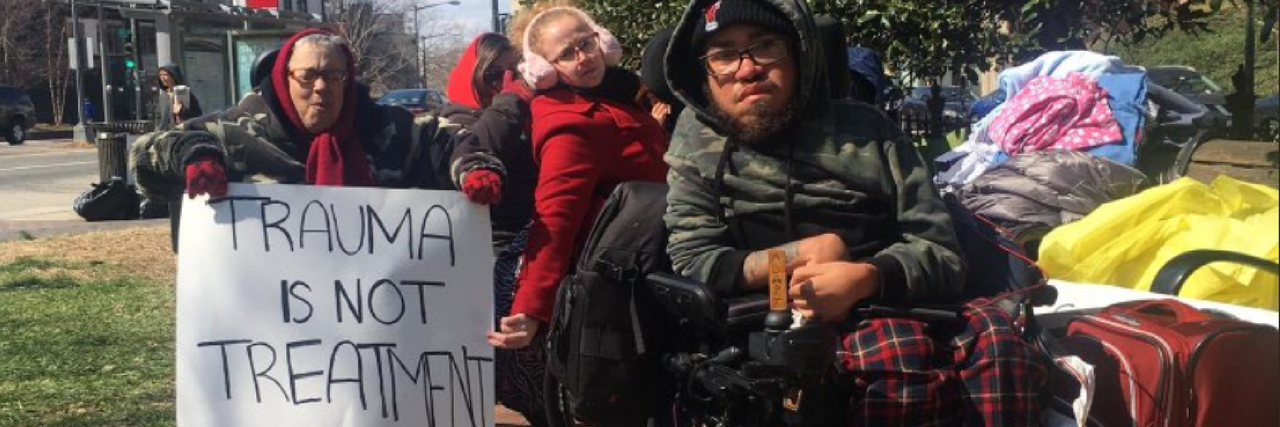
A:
x,y
762,159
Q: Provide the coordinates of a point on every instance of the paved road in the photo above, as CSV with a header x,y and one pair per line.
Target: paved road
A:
x,y
38,183
39,180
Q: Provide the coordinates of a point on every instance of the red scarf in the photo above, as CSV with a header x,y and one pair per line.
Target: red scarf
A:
x,y
336,156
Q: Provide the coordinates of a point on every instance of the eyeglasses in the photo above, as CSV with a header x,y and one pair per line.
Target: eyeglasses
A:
x,y
493,77
587,46
308,76
728,61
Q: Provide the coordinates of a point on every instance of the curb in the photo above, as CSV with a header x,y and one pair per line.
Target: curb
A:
x,y
11,230
50,134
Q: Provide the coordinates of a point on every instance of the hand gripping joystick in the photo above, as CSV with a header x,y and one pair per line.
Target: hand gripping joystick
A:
x,y
779,318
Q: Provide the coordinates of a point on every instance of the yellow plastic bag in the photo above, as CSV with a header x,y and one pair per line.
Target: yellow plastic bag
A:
x,y
1125,242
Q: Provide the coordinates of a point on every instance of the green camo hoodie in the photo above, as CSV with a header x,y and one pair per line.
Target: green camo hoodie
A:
x,y
843,168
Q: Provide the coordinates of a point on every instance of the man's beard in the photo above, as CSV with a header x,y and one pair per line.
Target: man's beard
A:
x,y
757,124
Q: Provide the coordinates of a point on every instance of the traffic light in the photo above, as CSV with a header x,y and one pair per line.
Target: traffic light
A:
x,y
128,56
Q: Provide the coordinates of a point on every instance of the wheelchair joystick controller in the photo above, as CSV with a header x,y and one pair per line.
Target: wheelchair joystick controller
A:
x,y
804,351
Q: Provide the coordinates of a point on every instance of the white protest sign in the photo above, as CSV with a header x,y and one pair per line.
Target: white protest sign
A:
x,y
324,306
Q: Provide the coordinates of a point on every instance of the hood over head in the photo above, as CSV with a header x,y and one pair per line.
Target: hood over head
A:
x,y
866,65
461,88
175,70
652,63
686,75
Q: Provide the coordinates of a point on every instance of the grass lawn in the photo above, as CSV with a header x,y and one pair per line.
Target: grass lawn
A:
x,y
86,330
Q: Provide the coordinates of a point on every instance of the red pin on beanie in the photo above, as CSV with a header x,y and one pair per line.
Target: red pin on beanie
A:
x,y
710,16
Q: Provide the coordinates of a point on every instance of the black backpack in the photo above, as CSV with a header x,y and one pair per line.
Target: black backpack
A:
x,y
602,368
113,199
999,268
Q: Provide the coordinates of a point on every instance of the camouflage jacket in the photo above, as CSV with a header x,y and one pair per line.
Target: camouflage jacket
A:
x,y
843,168
404,152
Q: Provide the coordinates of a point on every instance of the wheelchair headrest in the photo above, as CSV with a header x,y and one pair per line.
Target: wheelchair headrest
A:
x,y
262,66
834,46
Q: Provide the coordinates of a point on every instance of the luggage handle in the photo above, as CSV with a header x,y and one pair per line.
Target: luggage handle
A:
x,y
1167,308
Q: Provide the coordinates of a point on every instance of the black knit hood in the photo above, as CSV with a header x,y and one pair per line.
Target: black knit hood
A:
x,y
175,71
687,77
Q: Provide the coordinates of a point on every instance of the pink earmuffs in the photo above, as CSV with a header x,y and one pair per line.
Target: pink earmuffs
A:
x,y
538,71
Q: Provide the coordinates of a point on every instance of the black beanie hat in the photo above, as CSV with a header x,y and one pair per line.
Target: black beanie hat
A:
x,y
652,63
725,13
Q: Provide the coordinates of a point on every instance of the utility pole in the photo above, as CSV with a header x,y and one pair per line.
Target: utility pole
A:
x,y
136,72
107,114
497,22
417,50
1243,116
420,62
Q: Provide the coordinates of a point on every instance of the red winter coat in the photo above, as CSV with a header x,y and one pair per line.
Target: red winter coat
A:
x,y
584,146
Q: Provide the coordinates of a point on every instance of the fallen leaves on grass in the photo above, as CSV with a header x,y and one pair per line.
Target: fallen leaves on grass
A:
x,y
141,253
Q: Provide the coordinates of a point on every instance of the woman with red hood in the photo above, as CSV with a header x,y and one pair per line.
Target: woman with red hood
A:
x,y
492,107
302,128
492,149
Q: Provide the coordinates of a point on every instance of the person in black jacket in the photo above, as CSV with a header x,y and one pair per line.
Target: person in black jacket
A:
x,y
311,124
492,149
174,110
492,105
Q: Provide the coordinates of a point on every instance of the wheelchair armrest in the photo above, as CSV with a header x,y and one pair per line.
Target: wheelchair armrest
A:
x,y
693,300
1174,274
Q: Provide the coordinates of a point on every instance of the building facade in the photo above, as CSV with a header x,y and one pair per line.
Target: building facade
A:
x,y
213,41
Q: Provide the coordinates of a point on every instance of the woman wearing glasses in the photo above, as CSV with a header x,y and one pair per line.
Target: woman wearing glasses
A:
x,y
302,128
492,105
588,136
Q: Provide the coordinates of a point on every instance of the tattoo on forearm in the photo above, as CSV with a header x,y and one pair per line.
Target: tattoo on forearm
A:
x,y
755,269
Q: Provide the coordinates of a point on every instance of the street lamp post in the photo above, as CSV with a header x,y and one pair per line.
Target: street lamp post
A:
x,y
80,63
419,62
497,20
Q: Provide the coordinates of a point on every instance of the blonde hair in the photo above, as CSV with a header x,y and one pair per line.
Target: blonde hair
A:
x,y
520,22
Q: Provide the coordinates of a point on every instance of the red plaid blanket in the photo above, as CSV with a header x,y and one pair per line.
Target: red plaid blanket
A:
x,y
978,372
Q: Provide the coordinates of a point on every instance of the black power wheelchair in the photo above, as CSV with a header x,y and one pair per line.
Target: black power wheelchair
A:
x,y
712,361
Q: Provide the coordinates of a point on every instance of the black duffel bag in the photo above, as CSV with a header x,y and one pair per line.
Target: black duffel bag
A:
x,y
114,199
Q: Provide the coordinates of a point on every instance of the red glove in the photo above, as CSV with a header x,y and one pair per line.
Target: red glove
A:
x,y
205,175
483,186
516,86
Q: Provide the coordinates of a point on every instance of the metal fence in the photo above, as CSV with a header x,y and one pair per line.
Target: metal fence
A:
x,y
922,127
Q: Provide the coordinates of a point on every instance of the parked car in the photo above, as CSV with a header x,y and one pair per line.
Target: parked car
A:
x,y
17,114
1188,82
1265,118
955,112
417,101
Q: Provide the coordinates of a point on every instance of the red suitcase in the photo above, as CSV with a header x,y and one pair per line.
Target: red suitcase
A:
x,y
1163,363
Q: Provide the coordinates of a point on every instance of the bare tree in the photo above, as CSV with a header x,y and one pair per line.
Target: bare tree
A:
x,y
20,44
379,39
56,59
33,49
442,46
